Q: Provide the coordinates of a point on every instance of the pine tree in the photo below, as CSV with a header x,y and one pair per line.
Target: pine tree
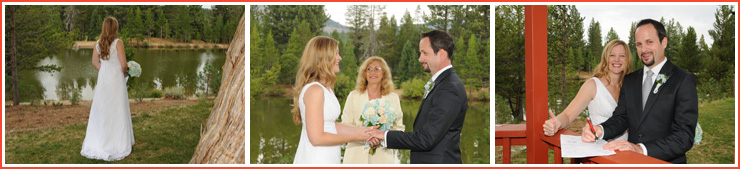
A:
x,y
594,45
611,36
636,61
564,37
409,67
387,40
723,47
688,55
510,57
349,62
34,32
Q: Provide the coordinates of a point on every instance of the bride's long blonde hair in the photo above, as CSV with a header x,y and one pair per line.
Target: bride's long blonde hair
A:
x,y
317,62
602,69
108,34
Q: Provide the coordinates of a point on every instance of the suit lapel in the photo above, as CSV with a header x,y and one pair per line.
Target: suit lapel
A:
x,y
439,79
668,71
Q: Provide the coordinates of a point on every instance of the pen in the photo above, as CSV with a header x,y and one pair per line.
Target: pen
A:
x,y
592,128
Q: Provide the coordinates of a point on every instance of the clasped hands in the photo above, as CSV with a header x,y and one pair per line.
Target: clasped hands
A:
x,y
373,135
622,145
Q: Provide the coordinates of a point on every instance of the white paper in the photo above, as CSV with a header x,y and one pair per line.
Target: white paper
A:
x,y
573,147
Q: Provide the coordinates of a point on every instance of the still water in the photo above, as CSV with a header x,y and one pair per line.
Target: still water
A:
x,y
274,137
161,68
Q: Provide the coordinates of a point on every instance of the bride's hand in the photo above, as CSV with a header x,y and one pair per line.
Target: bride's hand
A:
x,y
552,125
364,135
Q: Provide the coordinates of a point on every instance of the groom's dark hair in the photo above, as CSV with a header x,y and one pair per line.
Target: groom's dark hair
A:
x,y
440,40
658,28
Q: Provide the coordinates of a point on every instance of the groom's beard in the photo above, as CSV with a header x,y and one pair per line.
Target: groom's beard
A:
x,y
650,61
426,68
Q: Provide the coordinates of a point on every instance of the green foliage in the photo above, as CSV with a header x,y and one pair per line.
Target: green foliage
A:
x,y
349,63
69,92
174,92
409,67
155,93
636,61
510,60
611,35
138,90
408,32
210,79
413,88
674,33
31,90
688,55
281,19
484,94
387,41
723,47
344,85
565,42
473,73
594,46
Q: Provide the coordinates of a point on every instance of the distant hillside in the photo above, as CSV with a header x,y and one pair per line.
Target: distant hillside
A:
x,y
332,25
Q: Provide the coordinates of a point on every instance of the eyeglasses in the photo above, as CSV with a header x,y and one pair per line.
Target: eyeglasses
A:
x,y
376,69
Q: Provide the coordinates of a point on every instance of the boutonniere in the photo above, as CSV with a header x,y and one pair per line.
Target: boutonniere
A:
x,y
661,79
429,86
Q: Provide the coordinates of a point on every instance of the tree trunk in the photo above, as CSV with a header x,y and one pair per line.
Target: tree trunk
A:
x,y
13,57
222,141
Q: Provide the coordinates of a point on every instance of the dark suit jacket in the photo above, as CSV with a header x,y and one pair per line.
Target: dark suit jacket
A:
x,y
437,127
666,126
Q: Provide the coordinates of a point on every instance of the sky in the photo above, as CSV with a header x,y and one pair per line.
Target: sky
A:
x,y
620,17
337,12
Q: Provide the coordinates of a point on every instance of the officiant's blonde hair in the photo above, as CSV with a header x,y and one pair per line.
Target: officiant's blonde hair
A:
x,y
108,34
602,69
317,63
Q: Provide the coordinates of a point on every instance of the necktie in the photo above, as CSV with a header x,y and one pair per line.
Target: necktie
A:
x,y
646,85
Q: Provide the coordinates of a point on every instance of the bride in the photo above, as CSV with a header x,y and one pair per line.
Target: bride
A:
x,y
316,107
600,93
109,134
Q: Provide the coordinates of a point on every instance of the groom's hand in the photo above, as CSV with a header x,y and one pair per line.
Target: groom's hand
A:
x,y
622,145
379,134
588,136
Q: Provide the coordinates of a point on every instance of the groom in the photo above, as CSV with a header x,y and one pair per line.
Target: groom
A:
x,y
657,104
436,135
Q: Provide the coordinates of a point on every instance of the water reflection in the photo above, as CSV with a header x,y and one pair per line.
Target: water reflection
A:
x,y
161,69
274,137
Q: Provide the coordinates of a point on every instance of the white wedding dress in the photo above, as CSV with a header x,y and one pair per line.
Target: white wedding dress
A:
x,y
307,153
602,107
109,133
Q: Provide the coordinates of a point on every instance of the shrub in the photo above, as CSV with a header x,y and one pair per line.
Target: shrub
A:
x,y
70,92
413,88
344,85
155,93
144,44
483,94
174,92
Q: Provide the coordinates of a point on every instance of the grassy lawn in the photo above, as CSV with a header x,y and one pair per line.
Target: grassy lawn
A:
x,y
164,137
717,120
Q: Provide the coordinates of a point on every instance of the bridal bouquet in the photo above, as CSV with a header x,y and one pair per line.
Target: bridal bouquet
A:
x,y
134,69
378,112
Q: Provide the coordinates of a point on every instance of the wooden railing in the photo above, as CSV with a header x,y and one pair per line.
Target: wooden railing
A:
x,y
515,134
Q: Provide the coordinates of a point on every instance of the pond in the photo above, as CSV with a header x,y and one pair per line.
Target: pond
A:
x,y
161,68
274,137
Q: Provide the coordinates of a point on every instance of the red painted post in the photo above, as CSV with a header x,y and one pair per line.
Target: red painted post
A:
x,y
535,21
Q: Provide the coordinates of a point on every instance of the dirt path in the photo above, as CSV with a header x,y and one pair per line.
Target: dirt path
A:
x,y
31,118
